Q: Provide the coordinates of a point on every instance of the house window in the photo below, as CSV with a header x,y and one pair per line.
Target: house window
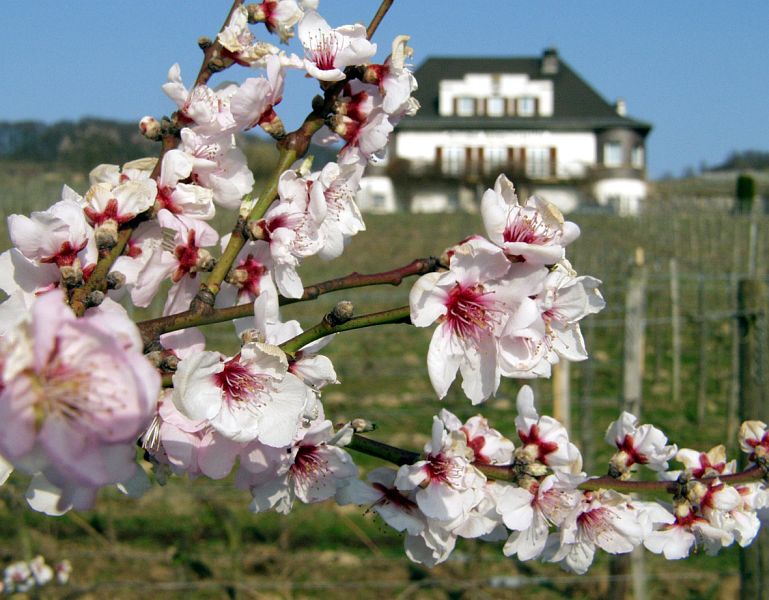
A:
x,y
612,154
495,158
465,106
538,162
453,161
495,106
527,106
637,157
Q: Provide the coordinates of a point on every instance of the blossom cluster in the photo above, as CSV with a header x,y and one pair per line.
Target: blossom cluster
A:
x,y
81,383
509,305
78,392
26,576
472,482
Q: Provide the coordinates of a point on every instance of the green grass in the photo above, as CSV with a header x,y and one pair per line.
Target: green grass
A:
x,y
200,533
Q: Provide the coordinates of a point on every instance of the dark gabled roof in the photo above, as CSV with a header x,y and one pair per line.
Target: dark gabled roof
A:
x,y
577,106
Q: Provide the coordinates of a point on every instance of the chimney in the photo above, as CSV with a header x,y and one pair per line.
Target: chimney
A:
x,y
549,61
620,107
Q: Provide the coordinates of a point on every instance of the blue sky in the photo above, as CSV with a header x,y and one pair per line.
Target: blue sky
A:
x,y
698,71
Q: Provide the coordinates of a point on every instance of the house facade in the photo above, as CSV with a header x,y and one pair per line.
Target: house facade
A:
x,y
533,118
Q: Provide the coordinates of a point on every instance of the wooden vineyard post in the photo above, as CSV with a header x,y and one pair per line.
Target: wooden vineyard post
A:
x,y
635,336
621,565
752,331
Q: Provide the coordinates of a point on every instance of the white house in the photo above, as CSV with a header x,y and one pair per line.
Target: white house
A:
x,y
532,118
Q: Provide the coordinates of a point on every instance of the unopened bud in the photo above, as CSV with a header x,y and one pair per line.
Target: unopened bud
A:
x,y
71,275
106,235
115,280
205,42
170,361
306,167
155,358
150,128
205,261
343,312
94,298
317,103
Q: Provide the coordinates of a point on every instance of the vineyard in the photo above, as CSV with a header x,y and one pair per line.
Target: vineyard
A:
x,y
200,539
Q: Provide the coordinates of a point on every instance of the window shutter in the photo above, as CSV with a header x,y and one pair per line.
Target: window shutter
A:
x,y
536,107
439,158
481,164
484,106
468,160
455,101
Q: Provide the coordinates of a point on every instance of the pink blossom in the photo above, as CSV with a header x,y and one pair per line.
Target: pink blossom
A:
x,y
240,43
328,51
643,445
448,484
544,439
249,396
312,471
77,395
470,307
534,232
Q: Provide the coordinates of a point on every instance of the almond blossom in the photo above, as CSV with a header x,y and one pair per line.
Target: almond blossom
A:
x,y
311,471
469,304
247,397
535,231
449,485
240,43
606,520
77,393
328,51
279,16
545,440
57,236
643,445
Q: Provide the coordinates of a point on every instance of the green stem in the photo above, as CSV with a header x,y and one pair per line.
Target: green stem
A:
x,y
327,327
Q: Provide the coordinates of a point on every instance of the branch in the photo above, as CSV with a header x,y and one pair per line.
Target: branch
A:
x,y
330,325
97,280
400,457
292,147
151,329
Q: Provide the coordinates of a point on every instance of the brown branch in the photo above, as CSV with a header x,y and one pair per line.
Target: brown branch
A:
x,y
400,457
380,13
153,328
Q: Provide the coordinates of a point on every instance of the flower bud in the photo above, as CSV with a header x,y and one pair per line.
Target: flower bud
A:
x,y
343,312
94,298
71,275
362,425
205,42
115,280
150,128
106,235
